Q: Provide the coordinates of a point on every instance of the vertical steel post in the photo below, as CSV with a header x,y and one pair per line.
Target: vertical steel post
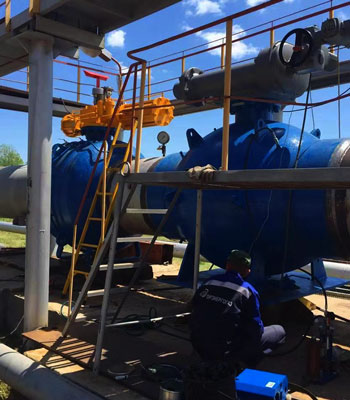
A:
x,y
104,190
149,83
227,94
78,81
272,35
37,260
109,275
331,15
197,246
34,7
222,55
28,79
133,115
140,117
183,60
72,269
8,15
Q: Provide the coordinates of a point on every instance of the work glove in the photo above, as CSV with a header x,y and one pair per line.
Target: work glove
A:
x,y
204,174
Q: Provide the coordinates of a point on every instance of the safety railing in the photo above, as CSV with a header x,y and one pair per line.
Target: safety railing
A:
x,y
183,55
69,80
33,8
223,45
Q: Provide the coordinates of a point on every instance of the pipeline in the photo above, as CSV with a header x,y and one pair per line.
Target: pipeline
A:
x,y
8,227
35,381
13,183
334,269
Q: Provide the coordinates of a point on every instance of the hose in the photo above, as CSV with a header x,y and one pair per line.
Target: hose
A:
x,y
301,389
14,330
322,287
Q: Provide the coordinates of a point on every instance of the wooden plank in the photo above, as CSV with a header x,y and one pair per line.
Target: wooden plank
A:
x,y
70,348
105,387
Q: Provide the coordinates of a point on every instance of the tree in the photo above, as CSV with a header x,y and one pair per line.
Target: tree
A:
x,y
9,156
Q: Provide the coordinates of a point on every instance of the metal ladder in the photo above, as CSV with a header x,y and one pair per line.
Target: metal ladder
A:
x,y
110,241
106,209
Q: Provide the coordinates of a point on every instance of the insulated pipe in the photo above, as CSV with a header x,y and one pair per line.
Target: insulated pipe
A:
x,y
36,289
334,269
13,198
265,77
8,227
35,381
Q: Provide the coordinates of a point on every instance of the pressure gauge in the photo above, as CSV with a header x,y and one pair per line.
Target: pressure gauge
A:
x,y
163,137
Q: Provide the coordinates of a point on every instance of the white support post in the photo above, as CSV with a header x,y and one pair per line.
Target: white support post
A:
x,y
197,246
39,183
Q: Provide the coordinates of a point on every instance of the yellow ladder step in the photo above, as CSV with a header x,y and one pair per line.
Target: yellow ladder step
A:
x,y
95,219
94,246
113,169
102,194
119,145
78,272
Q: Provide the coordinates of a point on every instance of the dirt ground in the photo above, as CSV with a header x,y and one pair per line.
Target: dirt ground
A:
x,y
168,343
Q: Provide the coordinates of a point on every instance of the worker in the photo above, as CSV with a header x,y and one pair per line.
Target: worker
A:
x,y
226,324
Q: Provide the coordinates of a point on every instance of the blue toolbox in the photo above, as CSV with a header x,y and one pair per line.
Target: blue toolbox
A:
x,y
255,385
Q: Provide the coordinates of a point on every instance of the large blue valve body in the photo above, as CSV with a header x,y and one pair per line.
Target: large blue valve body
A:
x,y
72,165
257,221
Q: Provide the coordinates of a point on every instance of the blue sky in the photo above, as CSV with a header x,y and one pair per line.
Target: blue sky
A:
x,y
171,21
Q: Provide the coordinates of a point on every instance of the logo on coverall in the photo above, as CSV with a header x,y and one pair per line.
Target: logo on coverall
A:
x,y
205,295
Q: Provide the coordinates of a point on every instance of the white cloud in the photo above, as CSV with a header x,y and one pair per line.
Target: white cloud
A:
x,y
116,38
186,27
240,49
342,15
202,7
252,3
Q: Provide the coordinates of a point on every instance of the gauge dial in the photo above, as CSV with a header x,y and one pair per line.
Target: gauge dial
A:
x,y
163,137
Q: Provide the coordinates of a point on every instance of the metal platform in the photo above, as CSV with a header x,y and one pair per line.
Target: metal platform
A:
x,y
72,23
17,100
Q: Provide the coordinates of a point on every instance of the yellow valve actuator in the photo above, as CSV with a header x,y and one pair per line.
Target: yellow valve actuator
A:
x,y
157,112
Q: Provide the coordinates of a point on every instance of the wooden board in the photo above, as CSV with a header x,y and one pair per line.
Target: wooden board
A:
x,y
101,385
73,349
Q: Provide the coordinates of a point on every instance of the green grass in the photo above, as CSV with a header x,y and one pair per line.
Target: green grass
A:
x,y
12,239
203,266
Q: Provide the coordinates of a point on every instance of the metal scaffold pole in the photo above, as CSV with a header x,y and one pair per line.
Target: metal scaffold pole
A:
x,y
197,249
38,183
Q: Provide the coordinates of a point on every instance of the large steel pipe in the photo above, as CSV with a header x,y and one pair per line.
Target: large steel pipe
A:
x,y
13,197
8,227
265,78
36,382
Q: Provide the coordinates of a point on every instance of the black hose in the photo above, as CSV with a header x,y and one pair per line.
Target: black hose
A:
x,y
292,349
14,330
321,286
290,193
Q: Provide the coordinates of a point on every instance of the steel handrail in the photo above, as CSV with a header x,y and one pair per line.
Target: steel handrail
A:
x,y
131,53
258,32
269,29
240,32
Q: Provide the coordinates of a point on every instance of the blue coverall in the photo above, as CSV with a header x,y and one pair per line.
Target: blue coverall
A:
x,y
226,322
